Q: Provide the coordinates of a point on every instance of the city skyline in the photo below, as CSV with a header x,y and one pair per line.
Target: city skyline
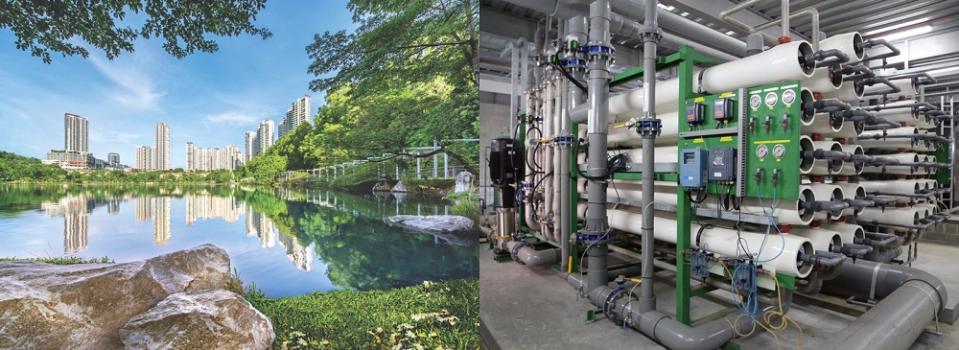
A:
x,y
207,98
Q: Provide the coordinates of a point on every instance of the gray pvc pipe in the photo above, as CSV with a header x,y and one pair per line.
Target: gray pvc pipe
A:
x,y
647,297
597,128
682,26
678,30
533,257
660,327
910,299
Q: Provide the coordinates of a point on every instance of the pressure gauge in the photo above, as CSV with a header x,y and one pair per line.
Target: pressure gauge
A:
x,y
761,151
779,151
755,101
789,96
771,99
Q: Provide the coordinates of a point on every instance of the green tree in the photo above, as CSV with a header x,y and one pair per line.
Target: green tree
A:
x,y
264,168
290,147
405,77
43,27
14,167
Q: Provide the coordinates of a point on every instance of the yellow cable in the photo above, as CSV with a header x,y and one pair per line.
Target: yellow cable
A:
x,y
784,323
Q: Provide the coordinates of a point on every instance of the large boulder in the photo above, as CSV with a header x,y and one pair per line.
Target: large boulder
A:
x,y
83,306
451,229
212,320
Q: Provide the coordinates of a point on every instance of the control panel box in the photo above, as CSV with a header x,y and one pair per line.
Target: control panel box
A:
x,y
722,164
695,113
769,119
724,109
692,168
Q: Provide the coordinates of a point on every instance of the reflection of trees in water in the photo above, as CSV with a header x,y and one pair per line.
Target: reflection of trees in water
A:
x,y
361,251
345,230
376,205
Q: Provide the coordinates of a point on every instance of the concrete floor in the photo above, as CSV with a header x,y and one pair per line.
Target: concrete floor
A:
x,y
526,308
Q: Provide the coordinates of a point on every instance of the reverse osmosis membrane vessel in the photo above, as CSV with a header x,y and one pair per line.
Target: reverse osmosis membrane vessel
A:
x,y
784,252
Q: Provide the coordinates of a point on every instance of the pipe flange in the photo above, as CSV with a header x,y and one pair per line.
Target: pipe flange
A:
x,y
592,237
575,63
649,127
650,34
596,51
564,140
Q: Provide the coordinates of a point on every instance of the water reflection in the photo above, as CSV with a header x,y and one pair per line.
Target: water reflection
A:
x,y
285,241
205,206
75,210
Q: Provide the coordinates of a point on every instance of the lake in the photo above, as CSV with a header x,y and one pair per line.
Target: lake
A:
x,y
286,242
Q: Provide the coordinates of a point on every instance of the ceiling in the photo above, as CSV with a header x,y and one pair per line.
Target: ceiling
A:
x,y
502,21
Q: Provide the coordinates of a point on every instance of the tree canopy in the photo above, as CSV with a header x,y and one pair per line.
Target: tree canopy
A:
x,y
405,77
43,27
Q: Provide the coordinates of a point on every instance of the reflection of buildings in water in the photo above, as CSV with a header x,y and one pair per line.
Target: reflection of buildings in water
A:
x,y
113,205
263,226
75,232
75,211
250,225
161,227
206,206
144,208
302,257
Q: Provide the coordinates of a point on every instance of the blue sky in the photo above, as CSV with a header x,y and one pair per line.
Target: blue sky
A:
x,y
209,99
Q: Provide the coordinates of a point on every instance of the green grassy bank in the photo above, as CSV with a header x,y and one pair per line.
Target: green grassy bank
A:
x,y
432,315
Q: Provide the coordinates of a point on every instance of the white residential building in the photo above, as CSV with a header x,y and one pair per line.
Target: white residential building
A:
x,y
144,158
162,157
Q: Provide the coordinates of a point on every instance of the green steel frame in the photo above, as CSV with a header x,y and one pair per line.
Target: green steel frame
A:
x,y
685,60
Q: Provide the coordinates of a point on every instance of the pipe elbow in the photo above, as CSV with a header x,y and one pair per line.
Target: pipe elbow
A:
x,y
678,336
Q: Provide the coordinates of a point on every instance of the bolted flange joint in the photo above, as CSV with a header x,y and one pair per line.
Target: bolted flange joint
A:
x,y
599,52
650,34
564,140
574,64
592,237
649,127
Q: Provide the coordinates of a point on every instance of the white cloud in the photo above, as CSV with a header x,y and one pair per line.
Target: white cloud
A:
x,y
236,118
135,86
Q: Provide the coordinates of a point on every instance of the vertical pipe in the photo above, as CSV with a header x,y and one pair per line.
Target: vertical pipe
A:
x,y
557,162
815,28
597,128
547,161
576,35
647,299
784,7
513,82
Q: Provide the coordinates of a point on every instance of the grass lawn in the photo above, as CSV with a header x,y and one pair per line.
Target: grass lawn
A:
x,y
432,315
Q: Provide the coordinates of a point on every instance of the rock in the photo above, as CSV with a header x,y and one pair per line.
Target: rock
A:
x,y
464,182
83,306
451,229
210,320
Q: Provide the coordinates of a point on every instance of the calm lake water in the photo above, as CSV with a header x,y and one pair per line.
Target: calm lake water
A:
x,y
286,242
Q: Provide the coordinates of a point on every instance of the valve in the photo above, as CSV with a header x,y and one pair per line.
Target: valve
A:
x,y
785,121
776,174
758,175
769,123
